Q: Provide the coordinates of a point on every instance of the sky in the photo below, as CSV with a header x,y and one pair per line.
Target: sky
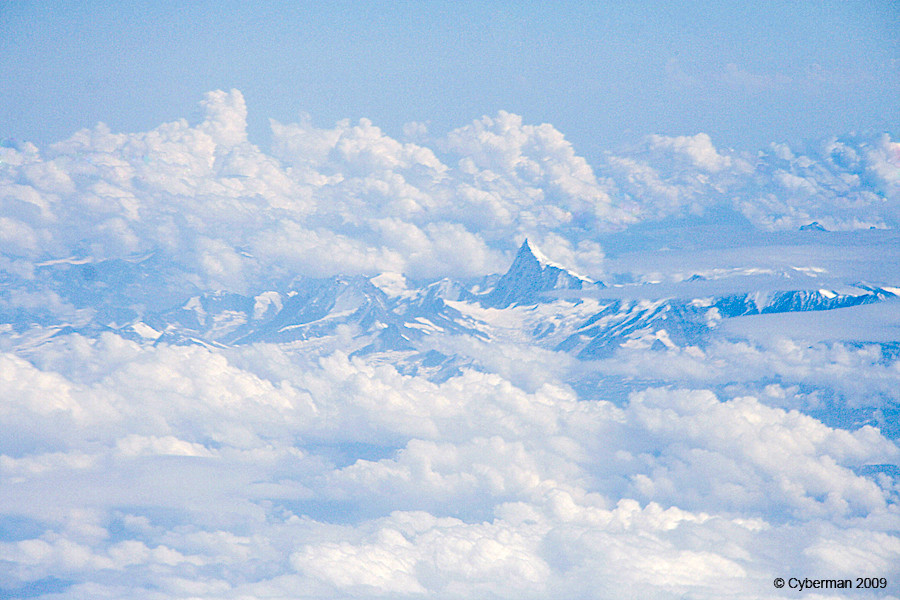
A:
x,y
604,73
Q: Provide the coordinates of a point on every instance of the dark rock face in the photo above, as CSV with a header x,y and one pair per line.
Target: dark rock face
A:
x,y
529,276
814,226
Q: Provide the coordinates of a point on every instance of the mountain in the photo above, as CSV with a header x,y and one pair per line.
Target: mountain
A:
x,y
310,308
530,276
688,321
814,226
756,303
535,302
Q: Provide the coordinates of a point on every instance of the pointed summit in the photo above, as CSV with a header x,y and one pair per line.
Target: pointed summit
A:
x,y
530,274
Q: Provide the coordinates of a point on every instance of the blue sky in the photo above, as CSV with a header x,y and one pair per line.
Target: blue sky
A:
x,y
603,73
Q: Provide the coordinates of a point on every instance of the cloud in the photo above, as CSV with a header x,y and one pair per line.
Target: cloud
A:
x,y
534,165
861,374
352,199
679,175
736,76
843,184
226,118
882,159
698,148
755,458
408,550
229,215
185,460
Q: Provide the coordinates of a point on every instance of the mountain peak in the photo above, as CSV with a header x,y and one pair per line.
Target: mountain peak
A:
x,y
814,226
540,257
544,262
530,274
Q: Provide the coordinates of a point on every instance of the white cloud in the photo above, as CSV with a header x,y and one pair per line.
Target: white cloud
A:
x,y
883,160
485,488
844,185
861,375
698,148
350,198
855,553
226,117
534,165
754,457
17,238
411,553
320,205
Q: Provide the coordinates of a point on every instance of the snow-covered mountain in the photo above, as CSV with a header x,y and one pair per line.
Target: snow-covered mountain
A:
x,y
536,301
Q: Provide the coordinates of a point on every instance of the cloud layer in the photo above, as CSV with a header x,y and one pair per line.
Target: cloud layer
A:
x,y
352,200
192,473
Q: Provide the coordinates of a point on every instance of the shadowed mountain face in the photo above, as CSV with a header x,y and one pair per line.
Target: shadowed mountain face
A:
x,y
530,275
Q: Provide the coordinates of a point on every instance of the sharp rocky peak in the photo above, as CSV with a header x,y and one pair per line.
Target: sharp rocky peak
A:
x,y
531,274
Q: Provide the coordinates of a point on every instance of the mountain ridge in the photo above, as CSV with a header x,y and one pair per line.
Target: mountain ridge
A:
x,y
536,301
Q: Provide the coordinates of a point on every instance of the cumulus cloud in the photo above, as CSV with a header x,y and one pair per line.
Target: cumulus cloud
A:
x,y
842,184
537,168
679,175
752,455
375,483
352,199
862,375
698,148
231,215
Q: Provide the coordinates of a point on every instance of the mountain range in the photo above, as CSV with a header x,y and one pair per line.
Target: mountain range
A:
x,y
536,301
